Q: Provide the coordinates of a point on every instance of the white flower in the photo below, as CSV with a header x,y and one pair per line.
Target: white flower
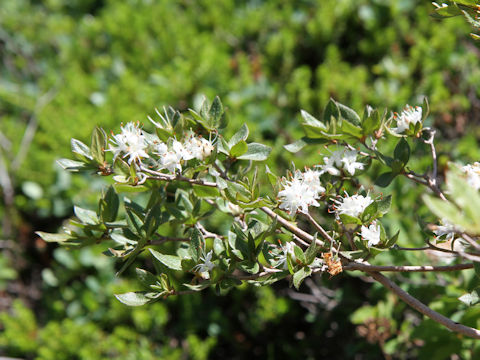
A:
x,y
371,233
447,229
332,163
473,174
409,115
286,249
350,163
311,178
131,142
171,161
205,266
301,192
197,148
341,159
353,205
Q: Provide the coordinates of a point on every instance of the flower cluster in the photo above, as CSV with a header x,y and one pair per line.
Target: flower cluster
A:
x,y
409,115
301,192
473,174
341,159
353,205
133,143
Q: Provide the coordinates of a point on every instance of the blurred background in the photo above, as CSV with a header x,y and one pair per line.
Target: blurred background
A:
x,y
68,65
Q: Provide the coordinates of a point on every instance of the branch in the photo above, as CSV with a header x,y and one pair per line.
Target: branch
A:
x,y
163,239
407,268
425,310
290,227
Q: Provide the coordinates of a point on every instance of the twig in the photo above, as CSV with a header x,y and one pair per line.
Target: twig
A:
x,y
352,266
472,242
422,308
319,228
290,227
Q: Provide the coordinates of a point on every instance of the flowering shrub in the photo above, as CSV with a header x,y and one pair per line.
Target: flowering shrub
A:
x,y
187,173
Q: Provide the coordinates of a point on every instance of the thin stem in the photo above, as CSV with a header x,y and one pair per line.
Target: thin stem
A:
x,y
472,242
319,228
422,308
290,227
407,268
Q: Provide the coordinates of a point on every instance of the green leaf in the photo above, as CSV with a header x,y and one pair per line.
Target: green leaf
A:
x,y
383,205
49,237
402,151
471,299
331,111
256,152
170,261
351,129
197,245
299,255
205,191
71,165
238,149
311,251
385,179
300,275
393,240
371,121
251,267
86,216
81,149
126,188
216,111
347,219
310,120
133,298
99,143
240,135
349,114
146,278
109,205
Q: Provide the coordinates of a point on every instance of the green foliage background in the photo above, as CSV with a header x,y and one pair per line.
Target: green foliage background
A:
x,y
71,65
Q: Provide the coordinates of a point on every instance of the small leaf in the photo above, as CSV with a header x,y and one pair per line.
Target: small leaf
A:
x,y
310,120
311,251
216,111
109,205
402,151
349,114
170,261
385,179
383,205
240,135
205,191
86,216
126,188
81,149
49,237
197,245
133,298
299,254
238,149
71,165
256,152
300,275
99,143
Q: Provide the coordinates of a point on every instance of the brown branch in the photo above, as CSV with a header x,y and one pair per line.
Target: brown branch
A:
x,y
290,227
422,308
163,239
319,228
408,268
